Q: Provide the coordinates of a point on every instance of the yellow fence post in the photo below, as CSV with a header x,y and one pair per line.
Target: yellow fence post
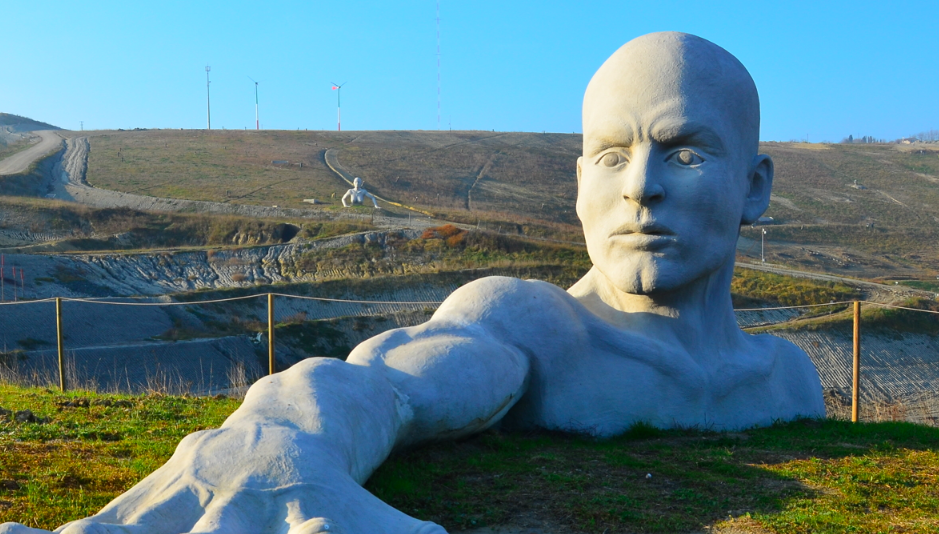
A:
x,y
272,365
855,394
58,330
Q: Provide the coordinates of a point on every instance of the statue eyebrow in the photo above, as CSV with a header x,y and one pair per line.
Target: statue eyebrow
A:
x,y
688,133
668,134
599,143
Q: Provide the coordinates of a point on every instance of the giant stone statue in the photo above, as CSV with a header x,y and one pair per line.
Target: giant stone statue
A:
x,y
357,194
669,173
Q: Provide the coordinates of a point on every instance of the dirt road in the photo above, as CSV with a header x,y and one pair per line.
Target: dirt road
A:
x,y
21,161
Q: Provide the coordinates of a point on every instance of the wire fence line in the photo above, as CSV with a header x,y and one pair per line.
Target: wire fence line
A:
x,y
900,376
109,300
105,300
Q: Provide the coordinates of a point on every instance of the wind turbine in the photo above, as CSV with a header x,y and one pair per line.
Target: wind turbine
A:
x,y
257,121
338,87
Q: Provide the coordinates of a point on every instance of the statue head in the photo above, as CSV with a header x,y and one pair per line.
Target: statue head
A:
x,y
357,183
670,167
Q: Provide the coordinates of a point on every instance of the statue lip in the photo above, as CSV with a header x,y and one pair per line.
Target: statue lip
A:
x,y
648,228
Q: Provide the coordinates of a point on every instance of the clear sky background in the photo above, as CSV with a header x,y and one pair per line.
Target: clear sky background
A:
x,y
825,69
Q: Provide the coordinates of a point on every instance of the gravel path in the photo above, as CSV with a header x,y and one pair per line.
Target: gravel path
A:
x,y
21,161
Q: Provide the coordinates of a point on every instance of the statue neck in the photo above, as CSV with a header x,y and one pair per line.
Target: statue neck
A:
x,y
697,316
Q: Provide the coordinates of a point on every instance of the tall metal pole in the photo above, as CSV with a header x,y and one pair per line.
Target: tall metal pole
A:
x,y
257,121
338,88
58,330
856,383
208,107
438,64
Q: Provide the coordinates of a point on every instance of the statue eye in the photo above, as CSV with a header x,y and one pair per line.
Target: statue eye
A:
x,y
686,158
612,159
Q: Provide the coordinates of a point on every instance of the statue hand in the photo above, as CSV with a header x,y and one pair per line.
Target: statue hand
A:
x,y
248,478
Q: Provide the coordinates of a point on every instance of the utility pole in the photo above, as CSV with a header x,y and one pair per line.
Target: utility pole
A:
x,y
208,107
257,121
338,88
438,64
763,246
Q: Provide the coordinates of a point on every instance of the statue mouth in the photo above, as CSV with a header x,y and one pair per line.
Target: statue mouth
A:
x,y
648,228
648,236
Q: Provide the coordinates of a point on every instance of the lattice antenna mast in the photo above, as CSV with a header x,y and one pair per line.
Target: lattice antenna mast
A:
x,y
438,64
338,88
257,121
208,106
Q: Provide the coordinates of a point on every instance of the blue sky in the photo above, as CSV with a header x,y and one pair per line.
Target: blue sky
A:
x,y
824,69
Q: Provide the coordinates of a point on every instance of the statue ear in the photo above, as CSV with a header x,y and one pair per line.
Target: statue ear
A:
x,y
579,160
760,186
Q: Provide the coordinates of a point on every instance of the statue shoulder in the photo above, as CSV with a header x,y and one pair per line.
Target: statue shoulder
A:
x,y
502,300
795,376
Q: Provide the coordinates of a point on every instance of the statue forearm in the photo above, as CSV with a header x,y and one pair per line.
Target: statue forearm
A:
x,y
353,410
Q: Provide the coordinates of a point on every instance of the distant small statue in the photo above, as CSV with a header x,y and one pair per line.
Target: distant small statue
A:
x,y
357,194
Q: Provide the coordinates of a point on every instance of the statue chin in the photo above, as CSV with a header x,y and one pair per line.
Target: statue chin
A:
x,y
654,276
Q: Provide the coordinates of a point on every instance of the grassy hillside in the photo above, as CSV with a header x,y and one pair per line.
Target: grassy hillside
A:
x,y
886,224
16,123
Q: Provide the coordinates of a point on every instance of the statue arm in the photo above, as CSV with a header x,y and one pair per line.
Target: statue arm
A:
x,y
371,196
304,440
347,196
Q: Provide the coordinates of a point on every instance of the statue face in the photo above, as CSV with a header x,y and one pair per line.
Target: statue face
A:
x,y
667,174
357,183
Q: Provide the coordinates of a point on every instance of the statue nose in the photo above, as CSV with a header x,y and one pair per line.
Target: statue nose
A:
x,y
641,183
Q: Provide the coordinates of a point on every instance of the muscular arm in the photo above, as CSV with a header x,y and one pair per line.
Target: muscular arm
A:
x,y
374,200
347,196
293,457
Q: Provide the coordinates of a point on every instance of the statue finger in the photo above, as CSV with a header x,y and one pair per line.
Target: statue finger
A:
x,y
344,507
169,509
243,511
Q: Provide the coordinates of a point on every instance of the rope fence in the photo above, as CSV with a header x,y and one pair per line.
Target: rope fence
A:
x,y
854,305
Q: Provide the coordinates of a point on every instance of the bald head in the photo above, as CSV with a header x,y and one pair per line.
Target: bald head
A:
x,y
679,72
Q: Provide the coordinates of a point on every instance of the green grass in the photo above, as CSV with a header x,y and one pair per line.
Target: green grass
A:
x,y
750,286
925,285
90,452
12,148
804,476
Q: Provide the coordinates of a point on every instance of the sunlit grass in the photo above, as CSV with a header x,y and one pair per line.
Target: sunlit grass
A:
x,y
90,451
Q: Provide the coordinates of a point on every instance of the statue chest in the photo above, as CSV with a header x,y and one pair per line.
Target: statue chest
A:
x,y
603,391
